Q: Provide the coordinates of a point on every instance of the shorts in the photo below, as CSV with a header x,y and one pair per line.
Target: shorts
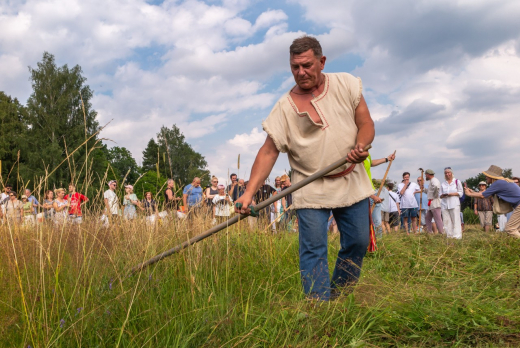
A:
x,y
486,218
393,219
409,212
75,219
385,216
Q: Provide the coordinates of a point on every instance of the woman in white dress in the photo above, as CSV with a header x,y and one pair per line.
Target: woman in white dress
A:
x,y
61,207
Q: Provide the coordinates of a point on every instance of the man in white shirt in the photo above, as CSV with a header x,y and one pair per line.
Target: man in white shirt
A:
x,y
385,208
395,211
422,201
406,190
111,200
434,202
4,198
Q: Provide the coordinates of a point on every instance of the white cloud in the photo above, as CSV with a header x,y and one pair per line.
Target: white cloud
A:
x,y
437,75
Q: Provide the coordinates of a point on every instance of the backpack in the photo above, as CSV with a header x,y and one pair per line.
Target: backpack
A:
x,y
461,199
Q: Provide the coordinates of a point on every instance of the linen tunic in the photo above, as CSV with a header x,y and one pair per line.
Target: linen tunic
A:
x,y
311,146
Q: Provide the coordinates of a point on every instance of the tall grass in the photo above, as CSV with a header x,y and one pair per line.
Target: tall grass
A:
x,y
68,287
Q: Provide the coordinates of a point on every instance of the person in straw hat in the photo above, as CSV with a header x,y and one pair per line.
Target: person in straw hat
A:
x,y
484,208
506,190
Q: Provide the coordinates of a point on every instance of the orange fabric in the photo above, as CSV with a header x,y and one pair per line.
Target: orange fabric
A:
x,y
372,245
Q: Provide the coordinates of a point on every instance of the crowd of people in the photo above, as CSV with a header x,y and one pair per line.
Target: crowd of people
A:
x,y
438,204
214,202
413,206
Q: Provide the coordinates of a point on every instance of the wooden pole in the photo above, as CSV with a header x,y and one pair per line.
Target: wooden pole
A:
x,y
420,200
239,217
383,182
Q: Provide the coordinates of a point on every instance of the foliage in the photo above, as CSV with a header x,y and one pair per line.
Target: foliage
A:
x,y
150,182
241,288
175,157
61,119
123,164
13,140
151,155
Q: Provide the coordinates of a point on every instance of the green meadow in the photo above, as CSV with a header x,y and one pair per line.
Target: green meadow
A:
x,y
70,287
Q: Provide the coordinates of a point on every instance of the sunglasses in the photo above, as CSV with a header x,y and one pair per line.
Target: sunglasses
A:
x,y
11,195
447,168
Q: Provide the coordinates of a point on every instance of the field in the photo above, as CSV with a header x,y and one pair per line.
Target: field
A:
x,y
70,287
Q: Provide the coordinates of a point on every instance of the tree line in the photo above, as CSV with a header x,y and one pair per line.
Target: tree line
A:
x,y
54,139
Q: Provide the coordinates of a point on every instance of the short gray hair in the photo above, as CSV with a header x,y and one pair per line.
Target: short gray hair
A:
x,y
305,43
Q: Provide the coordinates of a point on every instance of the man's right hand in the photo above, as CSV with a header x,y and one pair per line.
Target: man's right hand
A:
x,y
476,212
246,201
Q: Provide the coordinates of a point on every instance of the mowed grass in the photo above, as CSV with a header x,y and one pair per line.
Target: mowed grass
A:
x,y
241,288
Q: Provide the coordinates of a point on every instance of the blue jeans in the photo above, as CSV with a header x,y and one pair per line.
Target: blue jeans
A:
x,y
354,229
376,219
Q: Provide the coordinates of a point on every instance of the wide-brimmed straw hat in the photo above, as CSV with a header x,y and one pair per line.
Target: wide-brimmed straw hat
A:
x,y
495,172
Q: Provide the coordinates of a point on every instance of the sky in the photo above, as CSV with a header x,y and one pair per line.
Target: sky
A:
x,y
441,78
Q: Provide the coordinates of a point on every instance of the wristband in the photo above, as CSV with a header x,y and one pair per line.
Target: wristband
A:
x,y
386,160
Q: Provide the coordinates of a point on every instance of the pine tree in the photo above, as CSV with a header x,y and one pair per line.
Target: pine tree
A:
x,y
150,156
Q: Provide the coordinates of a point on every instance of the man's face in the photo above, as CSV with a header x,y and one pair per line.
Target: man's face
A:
x,y
233,179
196,183
113,186
306,69
71,188
406,177
27,192
420,181
428,176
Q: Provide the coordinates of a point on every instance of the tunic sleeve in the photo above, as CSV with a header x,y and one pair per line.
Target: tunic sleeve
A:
x,y
276,127
354,88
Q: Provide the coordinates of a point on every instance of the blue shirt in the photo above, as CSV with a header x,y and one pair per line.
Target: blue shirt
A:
x,y
508,191
33,200
194,194
424,198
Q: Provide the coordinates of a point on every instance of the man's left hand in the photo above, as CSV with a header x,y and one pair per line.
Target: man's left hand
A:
x,y
376,199
357,154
